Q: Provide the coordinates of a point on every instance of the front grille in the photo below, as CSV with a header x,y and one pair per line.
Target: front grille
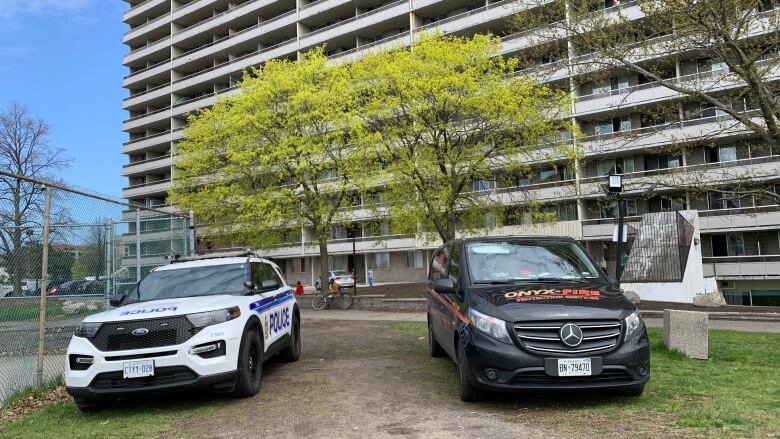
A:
x,y
118,336
541,378
544,337
162,376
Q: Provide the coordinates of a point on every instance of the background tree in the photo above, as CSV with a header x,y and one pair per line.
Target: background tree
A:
x,y
24,150
717,57
92,254
443,115
260,167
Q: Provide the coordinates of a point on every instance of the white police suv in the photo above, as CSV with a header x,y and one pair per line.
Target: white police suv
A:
x,y
203,322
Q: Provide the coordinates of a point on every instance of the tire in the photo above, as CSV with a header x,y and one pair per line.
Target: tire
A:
x,y
319,301
467,391
636,391
250,364
292,353
86,405
434,348
345,301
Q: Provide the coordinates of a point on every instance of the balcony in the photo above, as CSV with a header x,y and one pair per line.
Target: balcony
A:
x,y
148,49
219,19
141,8
365,244
153,187
355,23
744,219
319,6
402,39
151,25
151,140
742,267
479,16
145,166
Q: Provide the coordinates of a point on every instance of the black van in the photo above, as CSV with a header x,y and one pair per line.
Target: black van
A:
x,y
533,313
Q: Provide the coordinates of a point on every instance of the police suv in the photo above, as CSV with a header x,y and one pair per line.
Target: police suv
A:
x,y
203,322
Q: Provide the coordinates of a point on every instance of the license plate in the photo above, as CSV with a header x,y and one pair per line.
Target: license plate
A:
x,y
138,369
570,367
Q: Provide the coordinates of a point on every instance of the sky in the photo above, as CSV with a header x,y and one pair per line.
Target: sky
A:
x,y
63,60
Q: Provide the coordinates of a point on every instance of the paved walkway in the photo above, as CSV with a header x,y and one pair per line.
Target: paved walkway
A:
x,y
309,314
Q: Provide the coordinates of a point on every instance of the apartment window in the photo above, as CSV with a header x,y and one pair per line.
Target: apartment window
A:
x,y
414,259
666,161
296,265
603,127
619,165
336,263
567,212
382,260
730,244
338,232
722,153
611,210
483,185
724,200
489,220
672,204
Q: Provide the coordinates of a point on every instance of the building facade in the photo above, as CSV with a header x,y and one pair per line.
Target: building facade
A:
x,y
185,54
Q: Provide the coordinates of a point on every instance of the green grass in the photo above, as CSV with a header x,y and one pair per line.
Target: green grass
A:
x,y
736,393
29,311
31,392
137,418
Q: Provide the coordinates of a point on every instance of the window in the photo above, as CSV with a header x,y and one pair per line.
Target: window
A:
x,y
414,259
619,165
489,220
672,204
730,244
338,232
454,268
382,261
724,200
603,127
567,212
336,263
611,211
669,161
296,265
439,264
483,185
261,272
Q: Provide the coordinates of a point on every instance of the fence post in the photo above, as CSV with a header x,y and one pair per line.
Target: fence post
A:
x,y
44,283
138,245
109,264
191,233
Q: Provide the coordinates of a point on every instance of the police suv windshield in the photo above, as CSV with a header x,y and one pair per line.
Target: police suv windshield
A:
x,y
190,282
514,261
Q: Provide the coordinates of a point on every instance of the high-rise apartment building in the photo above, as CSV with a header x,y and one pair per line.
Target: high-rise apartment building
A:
x,y
185,54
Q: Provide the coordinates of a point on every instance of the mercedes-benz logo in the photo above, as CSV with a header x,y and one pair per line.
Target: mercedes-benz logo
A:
x,y
140,331
571,335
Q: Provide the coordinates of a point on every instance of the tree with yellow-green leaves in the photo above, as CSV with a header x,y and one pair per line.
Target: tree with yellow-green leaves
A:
x,y
259,167
444,117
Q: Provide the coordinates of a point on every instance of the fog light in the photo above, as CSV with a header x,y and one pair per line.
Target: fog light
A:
x,y
204,348
80,362
491,374
643,370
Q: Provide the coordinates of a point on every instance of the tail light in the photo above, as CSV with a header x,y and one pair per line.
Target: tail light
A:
x,y
52,292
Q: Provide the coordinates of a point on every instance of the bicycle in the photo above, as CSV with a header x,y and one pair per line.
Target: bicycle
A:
x,y
340,300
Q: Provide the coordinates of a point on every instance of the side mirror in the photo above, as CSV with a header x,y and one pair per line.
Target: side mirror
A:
x,y
249,285
444,286
116,300
269,284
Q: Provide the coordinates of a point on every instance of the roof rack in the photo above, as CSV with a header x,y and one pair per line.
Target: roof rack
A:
x,y
226,254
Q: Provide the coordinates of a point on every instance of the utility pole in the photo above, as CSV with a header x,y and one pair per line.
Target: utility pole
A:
x,y
615,186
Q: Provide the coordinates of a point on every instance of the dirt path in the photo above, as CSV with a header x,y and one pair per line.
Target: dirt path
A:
x,y
378,384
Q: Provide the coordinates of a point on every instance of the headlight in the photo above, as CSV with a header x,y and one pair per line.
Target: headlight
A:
x,y
633,326
491,326
208,318
87,330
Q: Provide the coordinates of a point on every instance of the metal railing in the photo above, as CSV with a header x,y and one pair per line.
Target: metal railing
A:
x,y
355,18
141,162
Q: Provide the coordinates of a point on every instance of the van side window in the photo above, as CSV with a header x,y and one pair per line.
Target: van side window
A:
x,y
454,268
439,264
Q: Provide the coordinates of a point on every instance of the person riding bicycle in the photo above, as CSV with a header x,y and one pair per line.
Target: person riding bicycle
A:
x,y
333,287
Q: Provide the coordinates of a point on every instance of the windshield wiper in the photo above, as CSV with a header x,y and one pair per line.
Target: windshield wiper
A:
x,y
559,279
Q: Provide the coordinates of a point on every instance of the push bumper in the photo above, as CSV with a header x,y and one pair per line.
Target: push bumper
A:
x,y
499,366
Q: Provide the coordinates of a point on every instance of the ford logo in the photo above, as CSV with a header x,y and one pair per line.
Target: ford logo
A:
x,y
140,331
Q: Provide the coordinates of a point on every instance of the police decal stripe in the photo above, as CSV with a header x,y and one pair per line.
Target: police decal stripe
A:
x,y
270,302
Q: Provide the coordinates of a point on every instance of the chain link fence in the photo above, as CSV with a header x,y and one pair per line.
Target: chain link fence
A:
x,y
63,253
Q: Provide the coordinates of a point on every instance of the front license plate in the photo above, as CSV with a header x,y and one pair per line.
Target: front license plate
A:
x,y
570,367
138,369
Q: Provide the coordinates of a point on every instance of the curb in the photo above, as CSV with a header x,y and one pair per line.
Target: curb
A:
x,y
724,315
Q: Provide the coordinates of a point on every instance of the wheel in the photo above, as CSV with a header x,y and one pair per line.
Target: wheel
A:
x,y
319,301
250,364
468,393
434,348
636,391
86,405
345,301
317,285
293,352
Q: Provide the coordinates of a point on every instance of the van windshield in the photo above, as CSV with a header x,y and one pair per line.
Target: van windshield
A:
x,y
499,262
190,282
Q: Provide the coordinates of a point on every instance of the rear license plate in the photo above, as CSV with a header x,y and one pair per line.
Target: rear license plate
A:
x,y
138,369
569,367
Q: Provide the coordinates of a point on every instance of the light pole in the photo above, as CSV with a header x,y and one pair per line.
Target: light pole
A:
x,y
615,186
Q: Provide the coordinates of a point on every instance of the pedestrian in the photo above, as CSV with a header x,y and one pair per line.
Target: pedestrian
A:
x,y
370,277
298,288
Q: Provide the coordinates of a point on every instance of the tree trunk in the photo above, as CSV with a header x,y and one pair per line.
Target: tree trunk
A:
x,y
323,241
452,226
